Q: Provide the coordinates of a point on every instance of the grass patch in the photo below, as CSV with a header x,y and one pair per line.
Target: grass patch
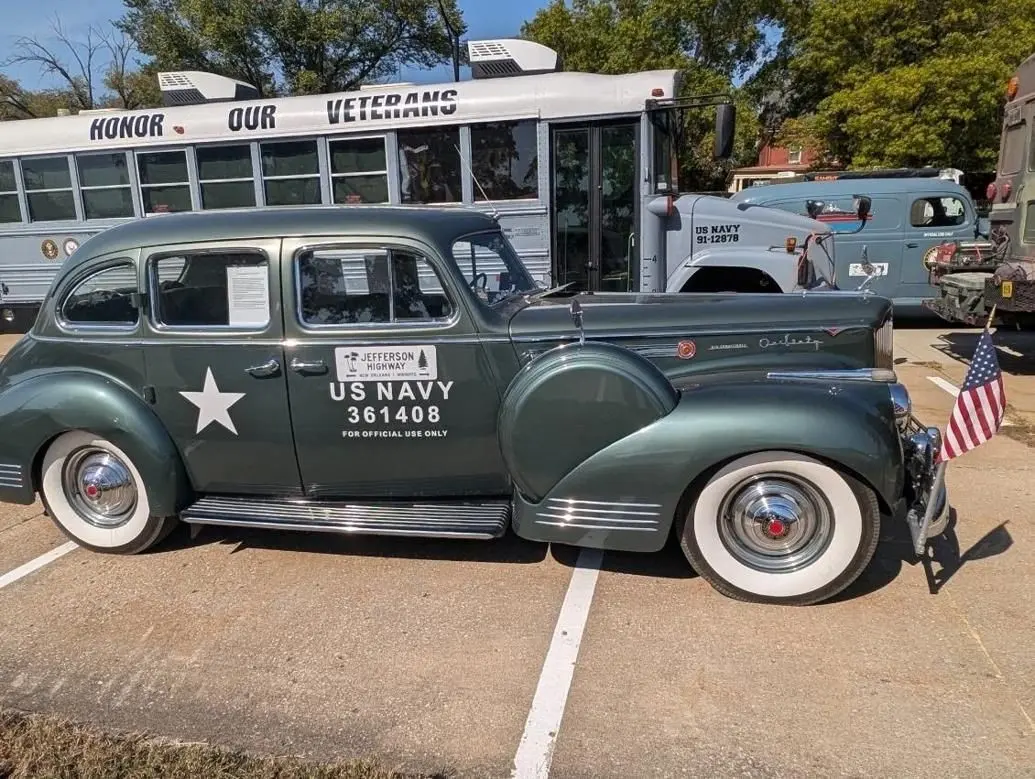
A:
x,y
33,746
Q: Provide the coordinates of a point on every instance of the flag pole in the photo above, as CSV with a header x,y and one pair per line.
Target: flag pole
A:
x,y
920,541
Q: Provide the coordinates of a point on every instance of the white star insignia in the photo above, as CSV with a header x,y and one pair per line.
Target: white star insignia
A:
x,y
213,405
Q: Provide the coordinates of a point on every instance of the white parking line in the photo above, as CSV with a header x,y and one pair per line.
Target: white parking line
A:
x,y
953,390
535,751
34,565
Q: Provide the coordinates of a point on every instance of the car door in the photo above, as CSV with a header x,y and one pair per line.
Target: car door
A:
x,y
934,218
214,362
391,391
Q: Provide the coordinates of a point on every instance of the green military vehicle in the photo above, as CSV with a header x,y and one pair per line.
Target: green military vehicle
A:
x,y
1000,272
347,369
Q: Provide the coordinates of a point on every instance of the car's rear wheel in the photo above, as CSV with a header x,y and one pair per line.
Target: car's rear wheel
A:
x,y
780,527
95,494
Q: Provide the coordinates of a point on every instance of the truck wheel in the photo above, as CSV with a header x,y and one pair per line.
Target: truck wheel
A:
x,y
96,496
780,527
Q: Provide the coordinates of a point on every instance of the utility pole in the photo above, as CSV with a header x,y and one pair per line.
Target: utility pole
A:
x,y
454,40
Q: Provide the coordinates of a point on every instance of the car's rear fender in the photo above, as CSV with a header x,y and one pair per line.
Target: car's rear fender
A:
x,y
35,411
627,495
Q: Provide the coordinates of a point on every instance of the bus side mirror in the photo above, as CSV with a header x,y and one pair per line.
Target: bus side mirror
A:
x,y
725,128
862,206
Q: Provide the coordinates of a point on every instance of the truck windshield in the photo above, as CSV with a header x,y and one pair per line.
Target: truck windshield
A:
x,y
491,267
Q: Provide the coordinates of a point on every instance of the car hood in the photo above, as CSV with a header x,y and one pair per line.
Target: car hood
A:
x,y
684,333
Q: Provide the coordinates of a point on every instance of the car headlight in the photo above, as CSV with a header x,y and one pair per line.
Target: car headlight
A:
x,y
902,404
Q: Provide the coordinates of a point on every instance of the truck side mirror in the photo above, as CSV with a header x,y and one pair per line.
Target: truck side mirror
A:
x,y
862,206
814,207
725,128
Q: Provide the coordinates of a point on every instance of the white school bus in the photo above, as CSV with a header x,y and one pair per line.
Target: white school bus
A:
x,y
580,168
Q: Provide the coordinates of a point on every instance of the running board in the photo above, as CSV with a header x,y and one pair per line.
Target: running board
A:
x,y
433,519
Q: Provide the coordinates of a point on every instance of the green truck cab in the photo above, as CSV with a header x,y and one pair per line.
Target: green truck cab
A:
x,y
396,371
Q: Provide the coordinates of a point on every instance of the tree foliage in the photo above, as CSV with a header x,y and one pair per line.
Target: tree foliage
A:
x,y
908,82
709,41
294,46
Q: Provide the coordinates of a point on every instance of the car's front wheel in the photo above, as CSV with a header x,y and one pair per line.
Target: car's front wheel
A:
x,y
95,494
780,527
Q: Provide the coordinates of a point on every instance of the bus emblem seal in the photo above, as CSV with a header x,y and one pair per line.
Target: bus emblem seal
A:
x,y
49,249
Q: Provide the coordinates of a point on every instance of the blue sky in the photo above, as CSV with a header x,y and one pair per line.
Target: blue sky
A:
x,y
485,19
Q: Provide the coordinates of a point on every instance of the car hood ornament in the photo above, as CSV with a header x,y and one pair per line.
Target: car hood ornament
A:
x,y
576,317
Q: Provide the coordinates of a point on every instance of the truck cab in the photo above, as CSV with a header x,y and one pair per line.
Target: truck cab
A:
x,y
896,244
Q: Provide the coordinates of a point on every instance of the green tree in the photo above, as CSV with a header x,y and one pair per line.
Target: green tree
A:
x,y
711,42
294,46
909,83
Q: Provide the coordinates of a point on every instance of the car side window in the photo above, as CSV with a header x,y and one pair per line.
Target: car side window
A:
x,y
937,212
228,288
103,298
346,286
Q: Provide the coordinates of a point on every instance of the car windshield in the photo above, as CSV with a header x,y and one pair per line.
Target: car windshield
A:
x,y
491,267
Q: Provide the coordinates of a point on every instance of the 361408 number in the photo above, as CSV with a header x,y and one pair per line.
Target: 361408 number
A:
x,y
404,414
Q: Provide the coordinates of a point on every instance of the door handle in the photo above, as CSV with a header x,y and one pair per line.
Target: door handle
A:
x,y
912,245
314,366
269,368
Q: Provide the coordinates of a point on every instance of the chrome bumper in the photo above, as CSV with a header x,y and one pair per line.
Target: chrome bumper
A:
x,y
926,495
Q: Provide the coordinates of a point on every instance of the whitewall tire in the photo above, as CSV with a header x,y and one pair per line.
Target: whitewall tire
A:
x,y
97,497
780,527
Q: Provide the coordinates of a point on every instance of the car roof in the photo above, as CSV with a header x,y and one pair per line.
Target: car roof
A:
x,y
427,223
841,187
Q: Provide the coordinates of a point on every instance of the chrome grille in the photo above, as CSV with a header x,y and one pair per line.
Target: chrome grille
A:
x,y
884,345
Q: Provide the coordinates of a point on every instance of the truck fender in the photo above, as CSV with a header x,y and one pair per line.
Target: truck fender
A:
x,y
35,411
778,265
571,402
648,476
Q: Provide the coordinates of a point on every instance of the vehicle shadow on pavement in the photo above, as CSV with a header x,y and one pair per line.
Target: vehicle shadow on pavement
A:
x,y
509,549
1016,352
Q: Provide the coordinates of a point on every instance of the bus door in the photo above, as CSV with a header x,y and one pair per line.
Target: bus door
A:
x,y
593,208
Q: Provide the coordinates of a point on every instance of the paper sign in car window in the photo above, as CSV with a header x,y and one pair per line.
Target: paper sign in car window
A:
x,y
248,296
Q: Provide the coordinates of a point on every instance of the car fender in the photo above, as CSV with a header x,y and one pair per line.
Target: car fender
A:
x,y
643,479
781,266
35,411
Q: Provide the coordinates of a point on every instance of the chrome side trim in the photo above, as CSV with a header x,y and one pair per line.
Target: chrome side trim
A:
x,y
11,476
854,374
600,515
474,520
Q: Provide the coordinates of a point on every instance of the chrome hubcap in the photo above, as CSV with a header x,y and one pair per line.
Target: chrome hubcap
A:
x,y
775,523
99,487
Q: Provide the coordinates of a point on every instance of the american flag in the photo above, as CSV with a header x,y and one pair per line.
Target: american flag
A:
x,y
980,405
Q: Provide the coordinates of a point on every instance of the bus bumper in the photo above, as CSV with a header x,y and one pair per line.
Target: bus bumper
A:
x,y
17,317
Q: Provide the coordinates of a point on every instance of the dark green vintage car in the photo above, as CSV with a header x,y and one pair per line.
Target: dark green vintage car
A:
x,y
395,370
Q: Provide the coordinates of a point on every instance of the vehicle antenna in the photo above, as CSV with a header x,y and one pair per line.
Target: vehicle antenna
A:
x,y
495,213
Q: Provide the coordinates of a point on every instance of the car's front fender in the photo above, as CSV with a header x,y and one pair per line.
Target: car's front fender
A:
x,y
638,482
34,411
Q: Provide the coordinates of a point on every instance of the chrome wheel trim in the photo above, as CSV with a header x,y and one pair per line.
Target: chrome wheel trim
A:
x,y
775,523
99,487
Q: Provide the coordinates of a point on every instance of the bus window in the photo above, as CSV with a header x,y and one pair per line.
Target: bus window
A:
x,y
104,181
225,176
10,211
1028,236
429,165
504,157
164,181
1012,156
48,185
937,212
291,173
359,170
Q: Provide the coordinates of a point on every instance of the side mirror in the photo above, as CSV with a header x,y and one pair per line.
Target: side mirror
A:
x,y
725,129
814,207
862,204
576,317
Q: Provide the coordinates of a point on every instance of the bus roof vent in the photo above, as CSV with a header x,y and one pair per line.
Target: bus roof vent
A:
x,y
194,87
504,57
